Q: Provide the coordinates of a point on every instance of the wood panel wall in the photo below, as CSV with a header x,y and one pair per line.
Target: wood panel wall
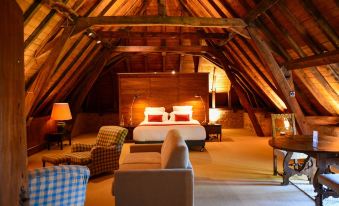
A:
x,y
162,90
12,122
37,129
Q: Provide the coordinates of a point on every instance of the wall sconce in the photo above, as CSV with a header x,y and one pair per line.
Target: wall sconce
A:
x,y
214,115
203,103
136,96
60,113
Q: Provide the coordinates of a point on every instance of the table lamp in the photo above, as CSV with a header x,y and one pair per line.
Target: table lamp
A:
x,y
60,113
203,103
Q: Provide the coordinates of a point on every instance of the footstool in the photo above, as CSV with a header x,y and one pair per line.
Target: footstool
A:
x,y
55,159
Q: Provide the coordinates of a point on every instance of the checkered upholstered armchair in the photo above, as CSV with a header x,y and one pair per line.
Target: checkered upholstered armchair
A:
x,y
58,185
103,156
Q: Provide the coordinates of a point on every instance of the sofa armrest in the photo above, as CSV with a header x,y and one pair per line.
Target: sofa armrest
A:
x,y
79,147
153,187
145,148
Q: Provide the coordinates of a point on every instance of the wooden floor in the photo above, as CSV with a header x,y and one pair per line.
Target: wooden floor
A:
x,y
236,171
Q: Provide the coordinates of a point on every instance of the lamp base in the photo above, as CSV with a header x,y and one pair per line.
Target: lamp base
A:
x,y
61,126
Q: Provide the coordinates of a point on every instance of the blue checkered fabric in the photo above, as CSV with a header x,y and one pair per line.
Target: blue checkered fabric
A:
x,y
58,185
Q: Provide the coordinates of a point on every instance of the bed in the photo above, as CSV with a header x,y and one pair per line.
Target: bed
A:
x,y
155,131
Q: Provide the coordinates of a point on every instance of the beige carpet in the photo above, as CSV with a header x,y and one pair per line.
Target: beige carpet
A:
x,y
237,171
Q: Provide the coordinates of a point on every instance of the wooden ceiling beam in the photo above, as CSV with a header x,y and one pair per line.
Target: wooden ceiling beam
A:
x,y
85,22
323,120
175,49
166,35
315,60
260,8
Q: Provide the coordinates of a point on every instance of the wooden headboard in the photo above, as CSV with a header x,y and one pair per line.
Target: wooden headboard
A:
x,y
162,90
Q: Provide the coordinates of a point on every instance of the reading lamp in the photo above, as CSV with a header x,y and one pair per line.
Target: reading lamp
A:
x,y
203,103
60,113
136,96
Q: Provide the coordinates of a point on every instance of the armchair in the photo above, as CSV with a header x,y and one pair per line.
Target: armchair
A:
x,y
103,156
58,185
155,175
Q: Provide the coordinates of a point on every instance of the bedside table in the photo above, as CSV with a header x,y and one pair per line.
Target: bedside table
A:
x,y
55,137
213,129
129,137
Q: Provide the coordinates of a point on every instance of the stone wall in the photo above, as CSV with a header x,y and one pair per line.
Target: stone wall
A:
x,y
230,118
264,121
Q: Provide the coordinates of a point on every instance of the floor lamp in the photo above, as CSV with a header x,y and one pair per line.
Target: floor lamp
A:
x,y
203,103
136,96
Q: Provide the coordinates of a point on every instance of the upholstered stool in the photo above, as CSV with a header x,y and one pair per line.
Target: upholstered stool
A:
x,y
79,158
55,159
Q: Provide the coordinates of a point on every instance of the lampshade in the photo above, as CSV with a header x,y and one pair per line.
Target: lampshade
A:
x,y
61,111
214,115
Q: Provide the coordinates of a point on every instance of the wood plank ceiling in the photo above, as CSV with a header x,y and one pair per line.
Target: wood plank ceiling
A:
x,y
69,43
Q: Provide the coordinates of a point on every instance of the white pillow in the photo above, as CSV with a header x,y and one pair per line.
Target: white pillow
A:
x,y
172,114
154,109
164,115
182,108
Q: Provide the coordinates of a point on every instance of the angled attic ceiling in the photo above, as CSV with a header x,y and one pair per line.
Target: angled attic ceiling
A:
x,y
63,60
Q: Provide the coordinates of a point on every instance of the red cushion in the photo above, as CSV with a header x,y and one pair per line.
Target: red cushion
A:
x,y
181,117
155,117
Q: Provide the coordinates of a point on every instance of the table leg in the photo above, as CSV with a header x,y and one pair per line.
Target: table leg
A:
x,y
287,170
305,169
322,167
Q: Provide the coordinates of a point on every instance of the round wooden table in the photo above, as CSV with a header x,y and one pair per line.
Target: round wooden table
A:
x,y
325,151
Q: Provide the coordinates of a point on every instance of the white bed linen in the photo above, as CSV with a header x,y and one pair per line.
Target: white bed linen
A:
x,y
157,131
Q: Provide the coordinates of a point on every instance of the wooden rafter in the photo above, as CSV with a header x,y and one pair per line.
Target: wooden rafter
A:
x,y
175,49
45,72
315,60
280,79
85,22
90,80
263,6
227,66
164,35
67,82
324,25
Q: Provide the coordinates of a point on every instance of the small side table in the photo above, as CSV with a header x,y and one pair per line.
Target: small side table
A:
x,y
55,137
129,137
213,129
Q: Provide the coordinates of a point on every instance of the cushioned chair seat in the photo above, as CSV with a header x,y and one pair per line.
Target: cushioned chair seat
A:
x,y
103,156
142,157
79,158
54,159
330,180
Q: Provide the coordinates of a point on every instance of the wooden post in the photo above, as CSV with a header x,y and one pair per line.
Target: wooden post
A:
x,y
13,146
280,79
